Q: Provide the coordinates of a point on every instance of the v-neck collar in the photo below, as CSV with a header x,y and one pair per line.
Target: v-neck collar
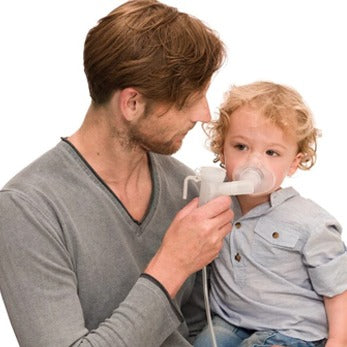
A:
x,y
155,185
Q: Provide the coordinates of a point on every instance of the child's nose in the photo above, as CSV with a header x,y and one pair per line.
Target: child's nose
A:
x,y
254,155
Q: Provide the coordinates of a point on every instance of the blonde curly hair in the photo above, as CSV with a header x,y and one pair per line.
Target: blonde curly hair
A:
x,y
282,105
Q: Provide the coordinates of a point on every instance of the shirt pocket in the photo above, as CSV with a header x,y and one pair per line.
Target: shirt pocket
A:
x,y
276,246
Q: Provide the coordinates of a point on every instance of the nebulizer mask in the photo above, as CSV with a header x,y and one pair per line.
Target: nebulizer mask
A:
x,y
256,172
251,177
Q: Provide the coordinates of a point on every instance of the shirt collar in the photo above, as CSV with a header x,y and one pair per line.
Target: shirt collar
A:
x,y
281,195
276,199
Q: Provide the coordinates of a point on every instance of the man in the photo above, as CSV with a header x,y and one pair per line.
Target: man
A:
x,y
96,246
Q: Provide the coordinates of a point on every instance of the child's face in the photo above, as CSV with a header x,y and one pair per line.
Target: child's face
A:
x,y
251,138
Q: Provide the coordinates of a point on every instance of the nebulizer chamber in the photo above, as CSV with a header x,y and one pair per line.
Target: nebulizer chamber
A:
x,y
251,178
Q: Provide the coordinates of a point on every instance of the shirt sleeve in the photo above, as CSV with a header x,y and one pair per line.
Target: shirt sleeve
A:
x,y
194,309
40,289
325,256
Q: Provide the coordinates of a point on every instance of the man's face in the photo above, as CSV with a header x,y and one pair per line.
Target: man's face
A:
x,y
164,128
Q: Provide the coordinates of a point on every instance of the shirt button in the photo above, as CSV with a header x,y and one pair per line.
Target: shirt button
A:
x,y
275,235
237,257
238,225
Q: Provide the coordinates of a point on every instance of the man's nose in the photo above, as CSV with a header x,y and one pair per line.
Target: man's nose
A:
x,y
202,112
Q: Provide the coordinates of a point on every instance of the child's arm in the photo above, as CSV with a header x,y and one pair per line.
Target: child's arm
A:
x,y
336,308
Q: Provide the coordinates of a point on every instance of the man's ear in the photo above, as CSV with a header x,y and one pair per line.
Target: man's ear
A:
x,y
131,103
295,164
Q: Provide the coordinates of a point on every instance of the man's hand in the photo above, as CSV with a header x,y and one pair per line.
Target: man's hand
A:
x,y
192,241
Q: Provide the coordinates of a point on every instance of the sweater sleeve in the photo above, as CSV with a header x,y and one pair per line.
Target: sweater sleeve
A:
x,y
40,289
194,309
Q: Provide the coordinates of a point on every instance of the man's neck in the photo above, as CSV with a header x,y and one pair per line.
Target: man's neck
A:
x,y
121,165
106,147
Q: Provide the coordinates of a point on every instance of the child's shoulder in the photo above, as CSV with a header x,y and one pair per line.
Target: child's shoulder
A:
x,y
303,212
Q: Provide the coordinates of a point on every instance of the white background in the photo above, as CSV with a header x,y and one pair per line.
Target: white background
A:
x,y
301,43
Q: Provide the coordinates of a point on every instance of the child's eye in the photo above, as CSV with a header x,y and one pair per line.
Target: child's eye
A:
x,y
241,147
272,153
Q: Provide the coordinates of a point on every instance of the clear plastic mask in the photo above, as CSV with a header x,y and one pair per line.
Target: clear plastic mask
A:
x,y
257,173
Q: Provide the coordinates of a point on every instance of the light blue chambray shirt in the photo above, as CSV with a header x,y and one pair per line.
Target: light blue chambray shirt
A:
x,y
276,265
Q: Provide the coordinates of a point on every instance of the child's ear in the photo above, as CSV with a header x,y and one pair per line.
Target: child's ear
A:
x,y
221,158
295,164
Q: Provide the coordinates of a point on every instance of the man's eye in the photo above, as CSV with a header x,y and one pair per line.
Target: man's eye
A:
x,y
272,153
240,147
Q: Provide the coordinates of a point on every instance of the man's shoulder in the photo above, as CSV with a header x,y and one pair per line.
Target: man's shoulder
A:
x,y
170,164
43,169
172,174
46,179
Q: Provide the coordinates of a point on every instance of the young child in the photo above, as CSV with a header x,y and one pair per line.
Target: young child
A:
x,y
281,277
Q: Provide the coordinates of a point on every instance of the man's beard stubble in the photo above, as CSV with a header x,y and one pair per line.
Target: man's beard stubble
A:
x,y
135,139
139,139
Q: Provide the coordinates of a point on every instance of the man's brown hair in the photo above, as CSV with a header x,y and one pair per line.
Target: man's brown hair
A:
x,y
167,55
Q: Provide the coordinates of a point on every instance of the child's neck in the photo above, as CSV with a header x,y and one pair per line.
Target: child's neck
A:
x,y
248,202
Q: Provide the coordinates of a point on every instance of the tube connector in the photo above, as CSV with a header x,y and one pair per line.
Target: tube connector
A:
x,y
185,184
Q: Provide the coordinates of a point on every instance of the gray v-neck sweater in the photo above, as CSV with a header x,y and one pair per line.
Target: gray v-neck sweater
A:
x,y
71,257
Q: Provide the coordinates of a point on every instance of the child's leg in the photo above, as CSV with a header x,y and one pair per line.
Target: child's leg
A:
x,y
272,338
226,334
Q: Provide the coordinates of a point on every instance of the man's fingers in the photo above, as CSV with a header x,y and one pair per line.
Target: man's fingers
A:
x,y
216,206
224,218
186,210
226,229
